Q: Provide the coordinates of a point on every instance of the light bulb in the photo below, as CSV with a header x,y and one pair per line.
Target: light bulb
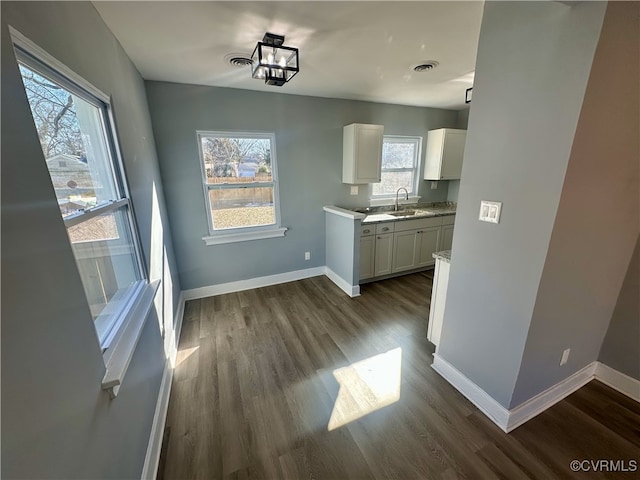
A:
x,y
283,62
270,58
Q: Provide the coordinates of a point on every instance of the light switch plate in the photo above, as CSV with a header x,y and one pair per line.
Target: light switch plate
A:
x,y
490,211
354,189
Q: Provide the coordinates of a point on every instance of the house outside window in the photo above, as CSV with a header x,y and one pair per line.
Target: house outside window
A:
x,y
80,149
400,163
239,176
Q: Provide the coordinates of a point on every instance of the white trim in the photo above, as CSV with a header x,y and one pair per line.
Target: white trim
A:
x,y
346,287
90,213
250,283
219,239
119,354
154,448
274,184
481,399
415,188
45,57
508,420
343,212
552,395
624,384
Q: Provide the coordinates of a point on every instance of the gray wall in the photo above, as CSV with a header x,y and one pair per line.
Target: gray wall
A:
x,y
56,420
598,220
343,247
620,347
532,68
309,153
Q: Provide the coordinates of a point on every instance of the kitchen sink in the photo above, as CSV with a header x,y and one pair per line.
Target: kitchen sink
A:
x,y
404,213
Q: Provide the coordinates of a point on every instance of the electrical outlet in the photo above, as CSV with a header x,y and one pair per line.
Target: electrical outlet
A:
x,y
565,356
434,185
307,255
354,190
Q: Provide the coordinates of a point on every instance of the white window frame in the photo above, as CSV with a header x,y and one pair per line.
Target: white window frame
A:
x,y
118,339
240,234
413,193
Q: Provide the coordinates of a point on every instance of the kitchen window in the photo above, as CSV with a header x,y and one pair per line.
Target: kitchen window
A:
x,y
239,176
75,129
400,162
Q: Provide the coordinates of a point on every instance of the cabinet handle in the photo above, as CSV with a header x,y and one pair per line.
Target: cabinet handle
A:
x,y
366,231
384,229
420,231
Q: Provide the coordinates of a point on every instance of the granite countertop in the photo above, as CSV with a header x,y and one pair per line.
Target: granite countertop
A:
x,y
444,255
420,210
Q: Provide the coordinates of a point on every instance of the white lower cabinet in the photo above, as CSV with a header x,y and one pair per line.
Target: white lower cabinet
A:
x,y
402,245
383,254
405,249
429,243
447,237
438,299
367,256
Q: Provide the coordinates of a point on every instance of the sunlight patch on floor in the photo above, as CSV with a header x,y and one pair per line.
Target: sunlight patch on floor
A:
x,y
366,386
184,354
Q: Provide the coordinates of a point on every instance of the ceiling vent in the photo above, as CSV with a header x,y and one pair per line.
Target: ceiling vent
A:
x,y
426,66
238,59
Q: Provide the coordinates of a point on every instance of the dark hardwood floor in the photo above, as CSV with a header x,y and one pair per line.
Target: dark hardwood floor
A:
x,y
298,381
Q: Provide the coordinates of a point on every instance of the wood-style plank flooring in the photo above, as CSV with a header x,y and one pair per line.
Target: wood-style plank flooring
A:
x,y
256,394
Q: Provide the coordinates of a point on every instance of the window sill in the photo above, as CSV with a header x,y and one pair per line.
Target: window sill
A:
x,y
119,354
244,236
381,201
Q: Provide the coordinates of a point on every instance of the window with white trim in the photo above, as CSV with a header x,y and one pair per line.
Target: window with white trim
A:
x,y
400,162
75,129
239,176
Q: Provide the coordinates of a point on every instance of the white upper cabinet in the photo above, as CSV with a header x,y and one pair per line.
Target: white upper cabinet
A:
x,y
445,149
362,153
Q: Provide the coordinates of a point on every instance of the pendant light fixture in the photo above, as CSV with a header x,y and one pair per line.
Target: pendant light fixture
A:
x,y
274,62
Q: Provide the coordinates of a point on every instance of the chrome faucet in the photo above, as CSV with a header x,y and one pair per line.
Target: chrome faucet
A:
x,y
398,193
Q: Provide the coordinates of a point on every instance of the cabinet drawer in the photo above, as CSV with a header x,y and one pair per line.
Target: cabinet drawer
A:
x,y
387,227
417,223
367,230
449,220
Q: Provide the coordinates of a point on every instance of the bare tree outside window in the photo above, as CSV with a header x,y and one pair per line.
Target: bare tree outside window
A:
x,y
399,165
56,121
238,179
73,129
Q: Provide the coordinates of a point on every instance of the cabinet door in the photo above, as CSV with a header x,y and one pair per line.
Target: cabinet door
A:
x,y
447,237
367,256
428,244
368,153
383,254
438,299
452,154
405,245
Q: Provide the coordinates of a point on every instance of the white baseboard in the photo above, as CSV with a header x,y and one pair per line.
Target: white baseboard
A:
x,y
154,447
538,404
248,284
172,338
624,384
481,399
508,420
152,458
346,287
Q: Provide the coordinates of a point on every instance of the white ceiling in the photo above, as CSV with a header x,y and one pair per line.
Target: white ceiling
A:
x,y
354,50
